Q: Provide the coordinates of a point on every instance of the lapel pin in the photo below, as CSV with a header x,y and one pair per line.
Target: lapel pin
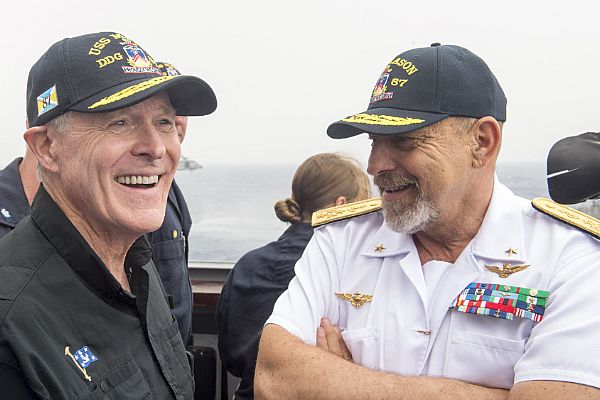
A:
x,y
82,359
511,251
507,269
379,247
356,299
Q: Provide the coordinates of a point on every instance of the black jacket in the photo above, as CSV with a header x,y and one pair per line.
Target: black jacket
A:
x,y
169,249
60,308
247,300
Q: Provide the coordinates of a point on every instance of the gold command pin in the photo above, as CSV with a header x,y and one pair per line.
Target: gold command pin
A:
x,y
356,299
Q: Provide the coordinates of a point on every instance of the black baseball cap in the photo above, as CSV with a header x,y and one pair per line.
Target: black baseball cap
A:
x,y
573,168
423,86
106,71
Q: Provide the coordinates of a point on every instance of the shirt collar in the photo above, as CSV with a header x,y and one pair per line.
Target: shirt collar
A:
x,y
298,229
78,254
13,201
502,228
387,243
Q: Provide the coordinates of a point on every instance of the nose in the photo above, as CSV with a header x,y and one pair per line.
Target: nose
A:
x,y
381,158
149,142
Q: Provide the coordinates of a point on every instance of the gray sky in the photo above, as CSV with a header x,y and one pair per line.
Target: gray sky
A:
x,y
283,71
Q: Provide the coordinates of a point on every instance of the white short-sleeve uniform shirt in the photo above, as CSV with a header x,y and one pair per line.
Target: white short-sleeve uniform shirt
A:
x,y
408,327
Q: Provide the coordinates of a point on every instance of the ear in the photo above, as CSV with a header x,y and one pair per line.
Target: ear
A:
x,y
40,143
487,135
181,125
340,200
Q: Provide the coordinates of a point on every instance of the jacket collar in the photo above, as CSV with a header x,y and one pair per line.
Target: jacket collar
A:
x,y
78,254
13,201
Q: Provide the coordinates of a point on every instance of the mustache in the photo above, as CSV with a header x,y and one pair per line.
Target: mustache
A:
x,y
388,179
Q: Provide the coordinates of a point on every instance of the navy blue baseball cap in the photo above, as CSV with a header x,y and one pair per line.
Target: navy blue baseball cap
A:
x,y
423,86
106,71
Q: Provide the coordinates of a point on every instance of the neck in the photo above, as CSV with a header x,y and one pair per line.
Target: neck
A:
x,y
27,170
111,247
446,239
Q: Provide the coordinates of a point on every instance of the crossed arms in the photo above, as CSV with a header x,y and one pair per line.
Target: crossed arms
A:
x,y
289,369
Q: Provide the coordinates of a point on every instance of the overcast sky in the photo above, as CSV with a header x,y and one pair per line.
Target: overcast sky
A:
x,y
283,71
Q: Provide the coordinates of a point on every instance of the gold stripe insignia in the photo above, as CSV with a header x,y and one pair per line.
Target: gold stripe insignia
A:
x,y
568,215
130,91
345,211
374,119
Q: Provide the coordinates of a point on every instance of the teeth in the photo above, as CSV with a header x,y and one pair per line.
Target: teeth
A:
x,y
396,188
137,180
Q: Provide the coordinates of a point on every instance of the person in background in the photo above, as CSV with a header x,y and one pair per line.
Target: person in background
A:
x,y
83,313
261,275
19,184
170,243
452,287
573,168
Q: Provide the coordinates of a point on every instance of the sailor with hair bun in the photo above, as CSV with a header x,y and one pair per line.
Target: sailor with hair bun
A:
x,y
261,275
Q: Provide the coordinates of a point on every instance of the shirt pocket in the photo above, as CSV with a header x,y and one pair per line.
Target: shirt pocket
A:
x,y
363,343
483,359
123,382
168,249
173,348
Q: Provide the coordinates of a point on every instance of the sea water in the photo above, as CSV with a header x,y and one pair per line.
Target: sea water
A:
x,y
232,206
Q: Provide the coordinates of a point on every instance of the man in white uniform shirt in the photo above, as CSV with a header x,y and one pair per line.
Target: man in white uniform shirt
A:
x,y
458,288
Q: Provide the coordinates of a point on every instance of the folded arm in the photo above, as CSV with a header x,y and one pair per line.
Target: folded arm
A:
x,y
288,368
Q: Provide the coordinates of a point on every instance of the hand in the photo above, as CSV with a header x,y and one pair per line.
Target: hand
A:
x,y
329,338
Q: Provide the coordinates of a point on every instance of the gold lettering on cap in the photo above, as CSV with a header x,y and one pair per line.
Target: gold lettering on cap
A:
x,y
97,47
103,62
405,65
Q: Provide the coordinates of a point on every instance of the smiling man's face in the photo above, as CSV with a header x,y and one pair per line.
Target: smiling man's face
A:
x,y
423,176
115,168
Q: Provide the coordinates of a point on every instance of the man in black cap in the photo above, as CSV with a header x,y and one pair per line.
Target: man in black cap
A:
x,y
450,286
19,184
82,309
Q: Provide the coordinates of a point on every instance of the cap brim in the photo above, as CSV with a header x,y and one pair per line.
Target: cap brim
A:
x,y
383,121
189,95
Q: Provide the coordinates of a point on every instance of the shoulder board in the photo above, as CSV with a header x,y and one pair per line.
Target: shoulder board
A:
x,y
345,211
568,215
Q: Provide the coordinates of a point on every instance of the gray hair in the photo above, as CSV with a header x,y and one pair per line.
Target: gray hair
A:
x,y
60,124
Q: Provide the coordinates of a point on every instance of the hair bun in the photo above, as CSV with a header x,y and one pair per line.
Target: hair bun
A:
x,y
288,210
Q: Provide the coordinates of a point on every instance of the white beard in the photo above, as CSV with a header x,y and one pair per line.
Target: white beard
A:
x,y
411,218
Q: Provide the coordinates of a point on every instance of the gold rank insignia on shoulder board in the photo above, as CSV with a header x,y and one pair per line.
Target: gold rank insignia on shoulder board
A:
x,y
345,211
568,215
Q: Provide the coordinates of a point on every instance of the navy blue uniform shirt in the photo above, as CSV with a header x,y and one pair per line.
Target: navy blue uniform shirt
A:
x,y
247,300
170,255
13,202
